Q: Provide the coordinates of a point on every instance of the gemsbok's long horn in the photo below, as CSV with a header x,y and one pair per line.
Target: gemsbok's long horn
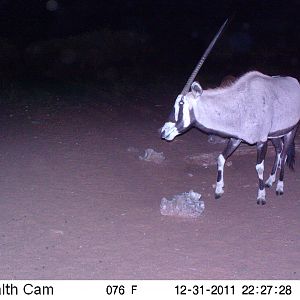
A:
x,y
201,61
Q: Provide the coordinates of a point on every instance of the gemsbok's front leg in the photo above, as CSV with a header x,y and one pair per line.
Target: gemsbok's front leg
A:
x,y
261,154
230,148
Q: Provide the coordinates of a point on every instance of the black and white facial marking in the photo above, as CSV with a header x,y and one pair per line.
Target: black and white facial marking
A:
x,y
181,117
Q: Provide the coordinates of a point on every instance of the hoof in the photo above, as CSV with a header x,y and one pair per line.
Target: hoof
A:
x,y
270,181
279,188
261,201
218,196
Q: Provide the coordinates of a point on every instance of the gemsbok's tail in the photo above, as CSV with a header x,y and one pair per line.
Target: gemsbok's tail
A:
x,y
291,153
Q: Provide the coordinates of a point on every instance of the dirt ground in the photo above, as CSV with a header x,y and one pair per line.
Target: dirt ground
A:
x,y
76,202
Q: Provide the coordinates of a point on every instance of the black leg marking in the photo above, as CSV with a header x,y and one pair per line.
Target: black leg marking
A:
x,y
277,143
261,184
261,154
281,175
261,188
288,140
230,148
219,177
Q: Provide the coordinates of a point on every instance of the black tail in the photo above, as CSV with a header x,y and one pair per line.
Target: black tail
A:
x,y
291,153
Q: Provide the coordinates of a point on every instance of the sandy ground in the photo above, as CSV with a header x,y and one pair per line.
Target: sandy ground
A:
x,y
76,202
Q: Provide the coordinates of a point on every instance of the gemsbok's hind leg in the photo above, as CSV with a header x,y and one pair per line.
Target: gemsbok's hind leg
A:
x,y
261,154
230,148
288,141
277,143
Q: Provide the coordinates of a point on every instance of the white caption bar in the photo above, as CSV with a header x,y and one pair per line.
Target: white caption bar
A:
x,y
149,289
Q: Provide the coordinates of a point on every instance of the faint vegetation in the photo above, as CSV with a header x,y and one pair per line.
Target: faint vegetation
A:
x,y
102,63
106,56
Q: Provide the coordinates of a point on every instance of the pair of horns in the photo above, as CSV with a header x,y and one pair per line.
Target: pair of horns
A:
x,y
201,61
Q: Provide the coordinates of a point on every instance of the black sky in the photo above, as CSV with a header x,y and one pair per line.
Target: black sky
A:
x,y
38,19
176,29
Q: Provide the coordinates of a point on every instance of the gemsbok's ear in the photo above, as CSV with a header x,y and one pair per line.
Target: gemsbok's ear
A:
x,y
196,89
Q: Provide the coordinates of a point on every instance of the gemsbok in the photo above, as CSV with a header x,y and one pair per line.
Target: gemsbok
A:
x,y
252,109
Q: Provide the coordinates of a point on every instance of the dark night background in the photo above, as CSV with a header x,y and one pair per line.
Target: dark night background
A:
x,y
143,42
